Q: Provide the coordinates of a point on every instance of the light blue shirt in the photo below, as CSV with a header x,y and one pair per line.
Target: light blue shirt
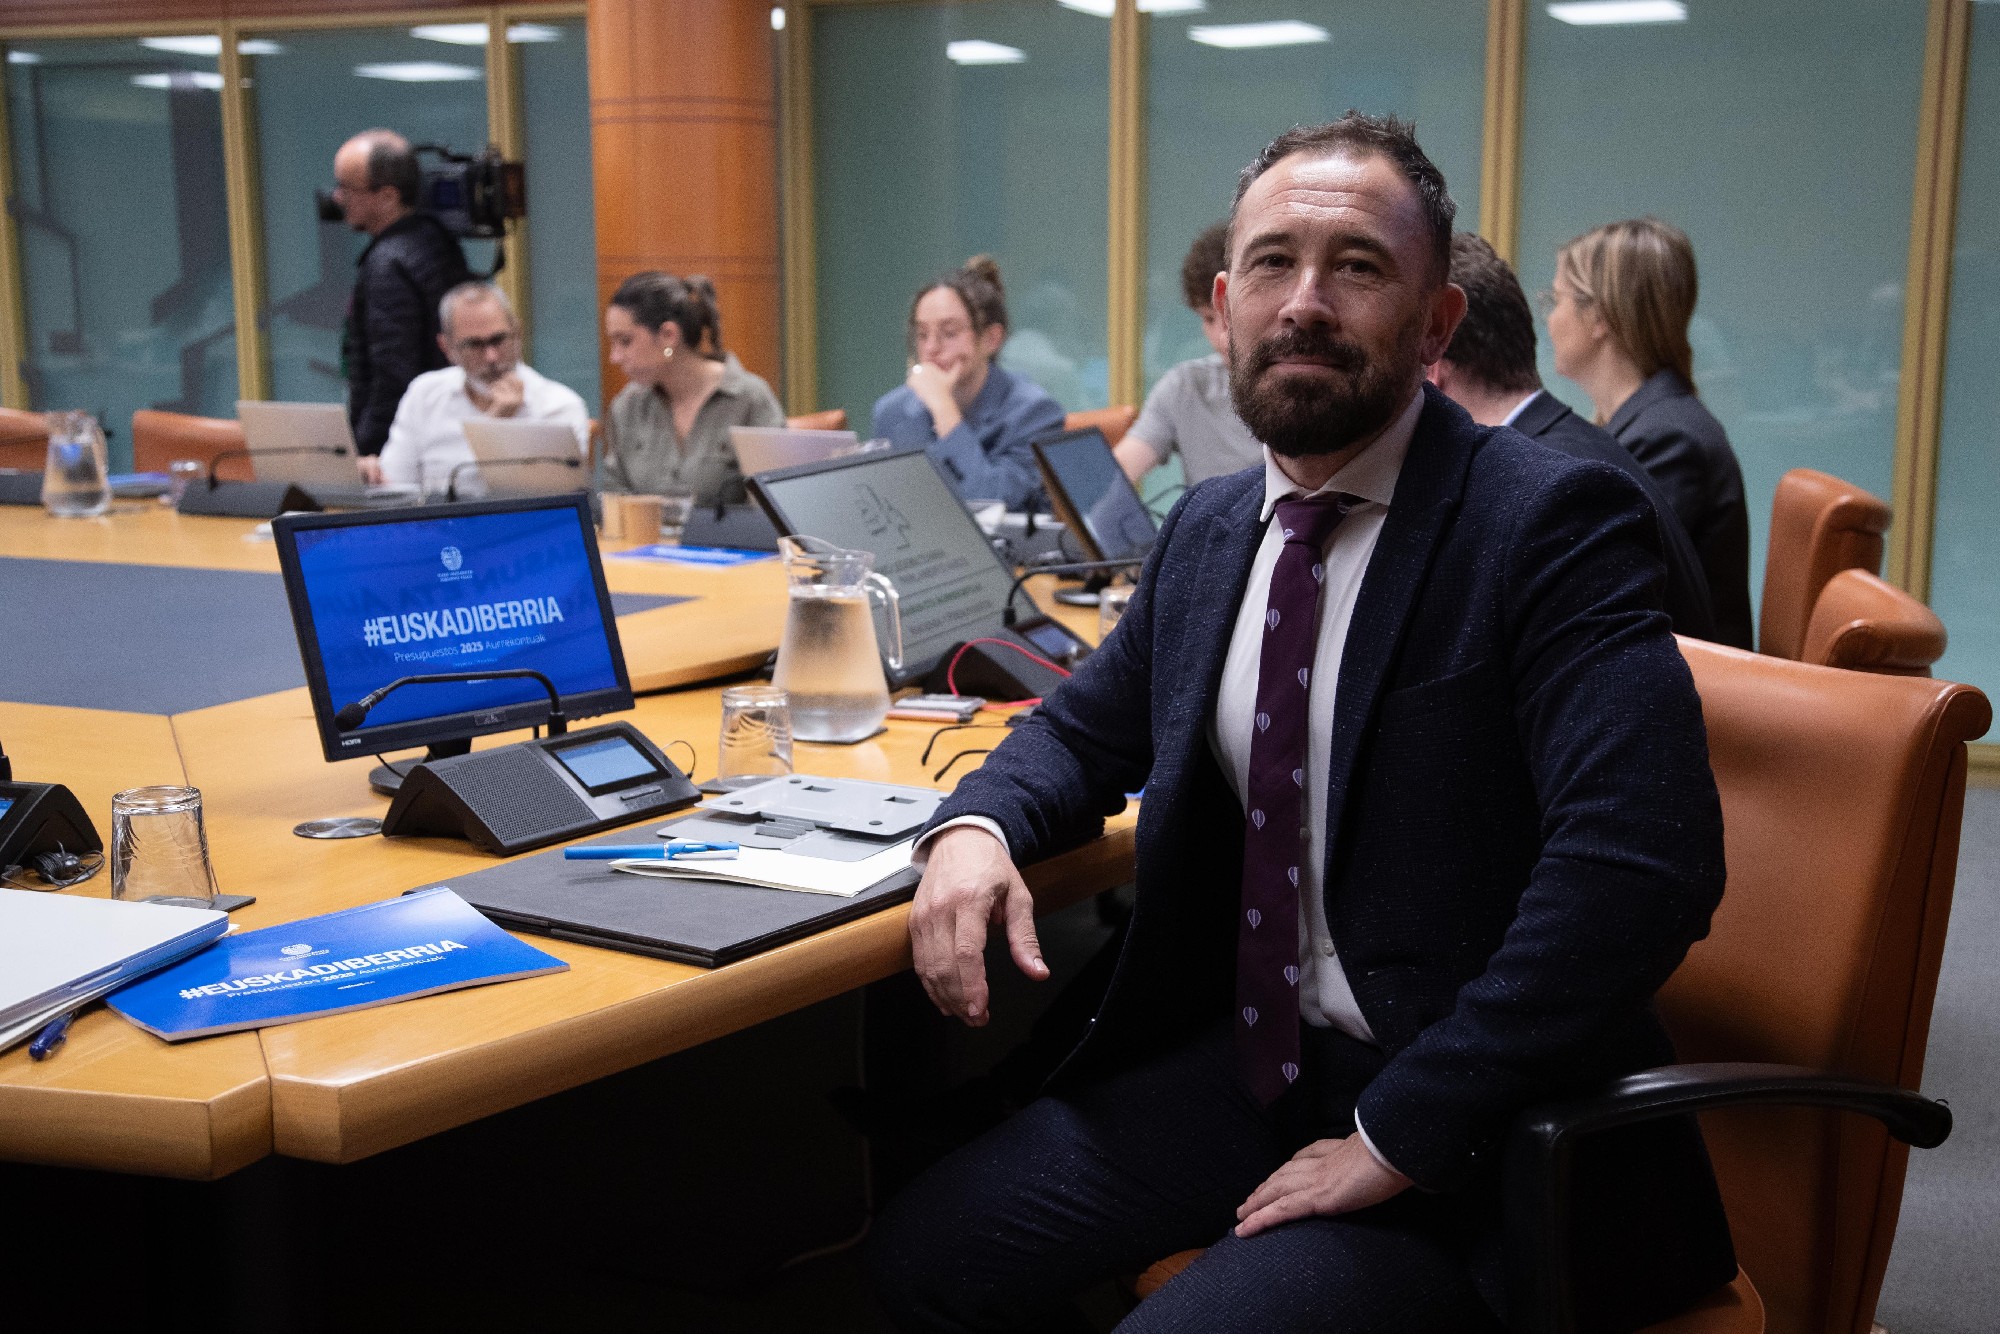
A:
x,y
987,455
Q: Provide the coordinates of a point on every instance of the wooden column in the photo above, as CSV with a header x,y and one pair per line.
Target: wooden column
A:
x,y
684,142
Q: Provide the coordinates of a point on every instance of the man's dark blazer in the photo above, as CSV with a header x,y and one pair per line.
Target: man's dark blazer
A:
x,y
1523,837
1686,450
1547,419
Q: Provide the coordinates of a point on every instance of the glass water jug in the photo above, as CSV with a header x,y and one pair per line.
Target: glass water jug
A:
x,y
76,483
830,662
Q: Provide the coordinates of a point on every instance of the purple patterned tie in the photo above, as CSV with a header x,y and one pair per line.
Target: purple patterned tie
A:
x,y
1267,939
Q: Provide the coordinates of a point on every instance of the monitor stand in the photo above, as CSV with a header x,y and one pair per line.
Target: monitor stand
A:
x,y
387,779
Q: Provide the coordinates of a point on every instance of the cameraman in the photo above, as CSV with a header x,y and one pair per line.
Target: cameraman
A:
x,y
391,332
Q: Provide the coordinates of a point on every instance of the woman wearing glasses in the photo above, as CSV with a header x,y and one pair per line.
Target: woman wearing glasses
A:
x,y
975,417
668,430
1618,324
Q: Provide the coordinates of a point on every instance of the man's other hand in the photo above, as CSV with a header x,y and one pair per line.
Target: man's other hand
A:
x,y
371,468
504,396
969,882
1328,1176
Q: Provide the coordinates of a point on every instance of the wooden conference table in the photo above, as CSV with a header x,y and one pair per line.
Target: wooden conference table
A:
x,y
342,1088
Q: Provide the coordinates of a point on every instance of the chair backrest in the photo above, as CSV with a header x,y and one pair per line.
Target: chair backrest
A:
x,y
1866,624
24,439
1820,526
833,419
1842,794
158,438
1114,422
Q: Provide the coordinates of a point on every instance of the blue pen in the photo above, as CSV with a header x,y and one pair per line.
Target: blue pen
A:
x,y
674,850
53,1035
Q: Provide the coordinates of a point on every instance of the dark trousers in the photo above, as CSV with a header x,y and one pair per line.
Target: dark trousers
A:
x,y
1002,1234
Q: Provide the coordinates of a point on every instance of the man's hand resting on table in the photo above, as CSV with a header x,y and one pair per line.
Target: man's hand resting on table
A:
x,y
1328,1176
969,882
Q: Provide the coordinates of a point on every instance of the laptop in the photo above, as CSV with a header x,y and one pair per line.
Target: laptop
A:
x,y
1092,496
766,448
952,584
517,458
310,446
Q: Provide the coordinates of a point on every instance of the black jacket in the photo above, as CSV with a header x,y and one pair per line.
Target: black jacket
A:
x,y
1687,451
1546,419
1523,836
390,336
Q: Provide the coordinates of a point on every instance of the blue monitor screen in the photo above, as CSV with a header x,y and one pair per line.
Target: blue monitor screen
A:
x,y
6,804
455,594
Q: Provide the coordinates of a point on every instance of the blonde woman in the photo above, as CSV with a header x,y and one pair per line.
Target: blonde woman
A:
x,y
1618,323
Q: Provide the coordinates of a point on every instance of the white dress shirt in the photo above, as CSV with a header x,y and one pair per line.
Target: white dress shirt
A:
x,y
427,439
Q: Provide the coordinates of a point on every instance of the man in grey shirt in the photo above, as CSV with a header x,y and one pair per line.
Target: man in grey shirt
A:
x,y
1189,409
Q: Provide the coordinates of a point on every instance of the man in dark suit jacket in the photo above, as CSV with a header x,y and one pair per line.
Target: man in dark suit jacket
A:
x,y
1489,370
1428,821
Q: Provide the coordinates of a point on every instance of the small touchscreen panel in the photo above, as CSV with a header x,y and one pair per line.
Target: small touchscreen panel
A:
x,y
598,764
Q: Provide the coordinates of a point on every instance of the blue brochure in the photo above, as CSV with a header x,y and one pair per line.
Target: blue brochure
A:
x,y
672,555
416,945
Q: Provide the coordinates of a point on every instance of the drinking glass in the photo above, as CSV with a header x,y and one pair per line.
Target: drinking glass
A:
x,y
675,507
181,474
756,732
159,848
76,484
1111,604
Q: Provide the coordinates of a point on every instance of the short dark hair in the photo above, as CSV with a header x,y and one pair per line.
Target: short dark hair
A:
x,y
391,161
1208,256
1495,342
1364,136
654,299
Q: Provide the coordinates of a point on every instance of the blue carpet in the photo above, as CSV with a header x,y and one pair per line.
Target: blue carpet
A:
x,y
151,639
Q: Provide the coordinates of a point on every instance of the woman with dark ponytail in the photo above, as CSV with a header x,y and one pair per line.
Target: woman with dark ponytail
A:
x,y
974,417
668,428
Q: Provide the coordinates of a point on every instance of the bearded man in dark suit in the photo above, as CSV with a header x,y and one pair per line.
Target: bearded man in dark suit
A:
x,y
1428,820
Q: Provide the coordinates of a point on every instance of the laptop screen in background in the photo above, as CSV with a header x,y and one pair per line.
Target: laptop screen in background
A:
x,y
1118,521
950,582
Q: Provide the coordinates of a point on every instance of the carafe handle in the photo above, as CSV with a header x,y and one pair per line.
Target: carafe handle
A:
x,y
879,587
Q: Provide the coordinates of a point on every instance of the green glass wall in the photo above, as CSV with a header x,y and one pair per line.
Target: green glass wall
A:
x,y
1210,108
1965,557
1780,134
562,243
921,161
122,214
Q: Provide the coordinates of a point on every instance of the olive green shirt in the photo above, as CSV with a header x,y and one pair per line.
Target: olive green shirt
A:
x,y
644,454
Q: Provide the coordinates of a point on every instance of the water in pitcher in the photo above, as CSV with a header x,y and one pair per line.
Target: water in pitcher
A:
x,y
831,667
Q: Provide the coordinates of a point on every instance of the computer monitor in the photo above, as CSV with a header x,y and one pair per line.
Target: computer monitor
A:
x,y
450,588
951,583
1093,497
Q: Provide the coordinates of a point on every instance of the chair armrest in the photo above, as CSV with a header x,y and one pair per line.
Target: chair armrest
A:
x,y
1538,1154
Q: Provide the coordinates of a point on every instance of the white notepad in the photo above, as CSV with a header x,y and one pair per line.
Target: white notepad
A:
x,y
58,951
772,869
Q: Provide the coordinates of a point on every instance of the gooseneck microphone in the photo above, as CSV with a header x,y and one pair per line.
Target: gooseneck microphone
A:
x,y
1065,567
254,454
351,716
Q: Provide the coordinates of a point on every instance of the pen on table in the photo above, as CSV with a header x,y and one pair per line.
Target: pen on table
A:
x,y
53,1035
673,851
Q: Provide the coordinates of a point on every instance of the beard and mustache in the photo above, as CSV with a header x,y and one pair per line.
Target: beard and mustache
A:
x,y
1318,414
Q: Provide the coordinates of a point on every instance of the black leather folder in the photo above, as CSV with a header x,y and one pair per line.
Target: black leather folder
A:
x,y
705,922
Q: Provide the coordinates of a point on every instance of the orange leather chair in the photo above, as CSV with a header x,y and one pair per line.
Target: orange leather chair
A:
x,y
1820,526
1869,625
1842,797
158,438
833,419
1114,422
24,439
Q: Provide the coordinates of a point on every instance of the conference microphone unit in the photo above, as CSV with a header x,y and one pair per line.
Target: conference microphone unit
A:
x,y
248,500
